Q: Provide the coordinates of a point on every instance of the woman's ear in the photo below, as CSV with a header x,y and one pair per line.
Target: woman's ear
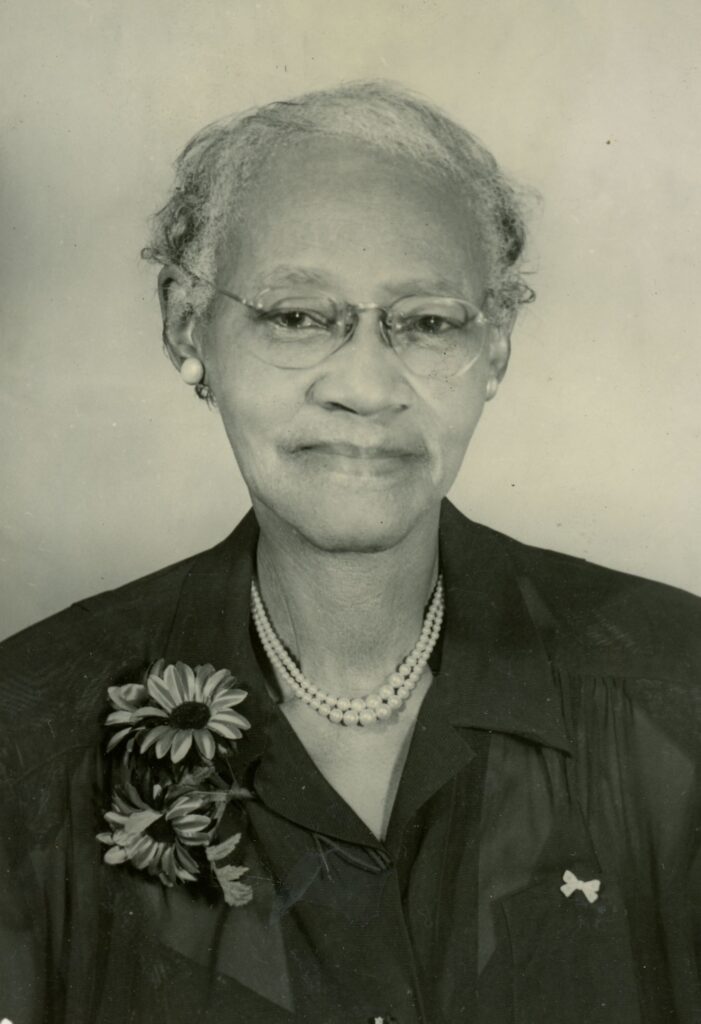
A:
x,y
174,294
499,352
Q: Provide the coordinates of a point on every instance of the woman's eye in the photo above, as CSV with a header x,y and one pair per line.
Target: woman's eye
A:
x,y
429,325
295,319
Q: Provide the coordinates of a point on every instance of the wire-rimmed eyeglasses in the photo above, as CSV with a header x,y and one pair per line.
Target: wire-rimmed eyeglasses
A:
x,y
433,335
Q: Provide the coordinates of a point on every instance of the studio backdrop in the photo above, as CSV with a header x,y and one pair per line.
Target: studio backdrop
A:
x,y
111,467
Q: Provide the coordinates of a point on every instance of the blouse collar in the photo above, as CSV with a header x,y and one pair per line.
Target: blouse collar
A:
x,y
495,674
495,670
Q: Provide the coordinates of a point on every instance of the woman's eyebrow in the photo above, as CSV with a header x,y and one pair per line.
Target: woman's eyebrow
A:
x,y
283,275
430,285
425,286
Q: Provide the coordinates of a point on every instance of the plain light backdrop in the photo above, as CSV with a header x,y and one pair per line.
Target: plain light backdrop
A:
x,y
111,468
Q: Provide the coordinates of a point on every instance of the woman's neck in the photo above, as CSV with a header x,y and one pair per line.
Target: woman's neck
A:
x,y
349,618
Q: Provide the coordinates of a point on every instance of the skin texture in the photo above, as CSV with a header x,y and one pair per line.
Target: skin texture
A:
x,y
370,229
347,462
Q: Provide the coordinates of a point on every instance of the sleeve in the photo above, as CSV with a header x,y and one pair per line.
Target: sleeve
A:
x,y
24,971
639,739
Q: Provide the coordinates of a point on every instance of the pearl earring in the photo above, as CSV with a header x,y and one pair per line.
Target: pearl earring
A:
x,y
490,389
191,370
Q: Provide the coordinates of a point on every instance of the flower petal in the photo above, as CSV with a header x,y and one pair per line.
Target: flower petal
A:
x,y
181,744
182,806
117,737
168,862
196,839
188,677
115,818
119,717
192,822
183,858
127,697
120,838
230,718
185,876
202,674
144,856
163,744
141,820
214,681
205,744
229,732
149,738
161,692
176,684
149,712
135,797
115,855
228,698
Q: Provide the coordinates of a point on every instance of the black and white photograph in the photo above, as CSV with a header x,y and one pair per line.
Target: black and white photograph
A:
x,y
350,634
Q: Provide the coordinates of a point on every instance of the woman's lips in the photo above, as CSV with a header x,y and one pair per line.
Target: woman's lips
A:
x,y
357,451
359,460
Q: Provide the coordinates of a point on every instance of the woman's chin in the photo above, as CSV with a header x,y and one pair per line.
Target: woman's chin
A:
x,y
357,524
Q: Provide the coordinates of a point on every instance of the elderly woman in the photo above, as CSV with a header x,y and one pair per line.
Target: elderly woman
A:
x,y
365,760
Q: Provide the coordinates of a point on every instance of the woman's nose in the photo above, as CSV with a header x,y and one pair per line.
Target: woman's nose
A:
x,y
364,375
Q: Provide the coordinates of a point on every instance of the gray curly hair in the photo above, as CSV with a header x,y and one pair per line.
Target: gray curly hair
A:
x,y
215,168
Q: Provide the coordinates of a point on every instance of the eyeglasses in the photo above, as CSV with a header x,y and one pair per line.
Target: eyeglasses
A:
x,y
432,335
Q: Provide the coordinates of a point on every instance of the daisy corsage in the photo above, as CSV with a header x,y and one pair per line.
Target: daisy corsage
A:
x,y
174,734
176,706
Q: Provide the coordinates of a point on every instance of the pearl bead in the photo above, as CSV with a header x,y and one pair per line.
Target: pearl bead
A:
x,y
377,706
192,370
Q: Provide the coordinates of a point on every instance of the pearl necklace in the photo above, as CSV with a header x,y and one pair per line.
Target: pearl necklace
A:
x,y
376,706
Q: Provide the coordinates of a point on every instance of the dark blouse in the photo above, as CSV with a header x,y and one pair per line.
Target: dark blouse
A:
x,y
561,733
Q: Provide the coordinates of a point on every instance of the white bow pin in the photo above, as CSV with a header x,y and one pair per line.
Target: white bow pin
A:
x,y
572,884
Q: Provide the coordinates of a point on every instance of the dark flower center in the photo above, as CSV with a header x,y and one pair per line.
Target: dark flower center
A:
x,y
192,714
161,831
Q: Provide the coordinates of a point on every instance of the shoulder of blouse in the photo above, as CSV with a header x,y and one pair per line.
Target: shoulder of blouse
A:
x,y
54,674
626,652
606,621
616,641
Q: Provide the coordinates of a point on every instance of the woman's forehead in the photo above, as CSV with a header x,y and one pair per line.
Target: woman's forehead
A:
x,y
331,208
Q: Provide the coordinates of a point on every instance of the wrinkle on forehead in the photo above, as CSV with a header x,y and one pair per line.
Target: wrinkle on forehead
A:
x,y
325,206
285,275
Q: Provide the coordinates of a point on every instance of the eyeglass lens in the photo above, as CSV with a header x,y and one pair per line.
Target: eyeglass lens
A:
x,y
432,335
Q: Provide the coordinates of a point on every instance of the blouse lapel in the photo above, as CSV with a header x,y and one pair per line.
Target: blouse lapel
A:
x,y
495,673
211,625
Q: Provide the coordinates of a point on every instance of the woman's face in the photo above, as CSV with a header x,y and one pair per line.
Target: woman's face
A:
x,y
355,451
